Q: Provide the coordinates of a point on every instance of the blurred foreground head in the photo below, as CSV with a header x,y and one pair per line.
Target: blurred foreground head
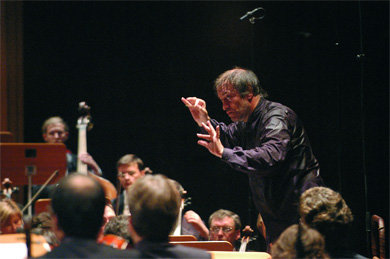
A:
x,y
78,204
326,211
154,203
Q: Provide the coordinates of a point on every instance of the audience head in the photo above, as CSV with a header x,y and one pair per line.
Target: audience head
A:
x,y
11,218
225,225
55,130
299,241
78,204
326,211
130,168
154,204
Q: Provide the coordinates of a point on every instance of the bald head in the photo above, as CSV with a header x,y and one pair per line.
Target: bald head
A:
x,y
81,183
78,202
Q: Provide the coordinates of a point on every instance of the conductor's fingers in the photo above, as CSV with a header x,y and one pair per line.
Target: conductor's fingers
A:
x,y
204,136
218,129
203,143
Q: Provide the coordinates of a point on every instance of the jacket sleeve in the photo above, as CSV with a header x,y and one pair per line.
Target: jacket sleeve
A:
x,y
271,141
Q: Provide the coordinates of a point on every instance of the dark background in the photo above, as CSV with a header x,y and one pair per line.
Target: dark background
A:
x,y
133,61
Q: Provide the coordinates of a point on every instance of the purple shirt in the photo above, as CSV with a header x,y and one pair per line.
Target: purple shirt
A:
x,y
273,149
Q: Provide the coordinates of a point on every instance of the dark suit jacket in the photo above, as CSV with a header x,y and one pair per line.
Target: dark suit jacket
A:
x,y
148,249
87,248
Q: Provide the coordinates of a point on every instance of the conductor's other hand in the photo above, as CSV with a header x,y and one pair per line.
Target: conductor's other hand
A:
x,y
211,141
197,108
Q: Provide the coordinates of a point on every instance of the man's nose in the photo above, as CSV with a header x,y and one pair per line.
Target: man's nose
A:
x,y
130,177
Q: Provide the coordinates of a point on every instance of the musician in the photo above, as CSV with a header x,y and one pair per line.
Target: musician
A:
x,y
108,214
130,168
42,225
116,233
266,141
10,217
77,209
154,203
225,225
182,226
56,130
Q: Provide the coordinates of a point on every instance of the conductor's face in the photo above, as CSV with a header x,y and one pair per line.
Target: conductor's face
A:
x,y
236,107
55,133
128,174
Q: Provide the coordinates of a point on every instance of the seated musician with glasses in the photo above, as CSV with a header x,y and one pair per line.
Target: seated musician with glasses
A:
x,y
224,225
130,168
56,130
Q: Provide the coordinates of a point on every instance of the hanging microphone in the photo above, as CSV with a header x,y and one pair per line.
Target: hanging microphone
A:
x,y
250,13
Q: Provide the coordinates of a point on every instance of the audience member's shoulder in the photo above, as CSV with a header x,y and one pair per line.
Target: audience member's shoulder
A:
x,y
98,251
189,252
127,253
359,256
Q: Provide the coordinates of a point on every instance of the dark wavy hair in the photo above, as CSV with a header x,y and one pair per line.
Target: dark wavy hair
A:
x,y
243,80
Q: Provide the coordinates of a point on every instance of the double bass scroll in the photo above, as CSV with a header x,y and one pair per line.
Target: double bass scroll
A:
x,y
84,124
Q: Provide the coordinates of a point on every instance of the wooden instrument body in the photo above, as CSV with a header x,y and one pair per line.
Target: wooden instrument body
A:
x,y
82,124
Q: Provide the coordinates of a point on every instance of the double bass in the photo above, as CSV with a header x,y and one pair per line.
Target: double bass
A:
x,y
84,123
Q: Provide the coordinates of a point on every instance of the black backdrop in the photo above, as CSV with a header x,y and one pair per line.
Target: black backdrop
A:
x,y
133,61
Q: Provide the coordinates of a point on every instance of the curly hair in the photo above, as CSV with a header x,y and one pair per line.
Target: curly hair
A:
x,y
118,226
326,210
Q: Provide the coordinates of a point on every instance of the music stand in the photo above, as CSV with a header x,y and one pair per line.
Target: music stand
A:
x,y
32,163
6,137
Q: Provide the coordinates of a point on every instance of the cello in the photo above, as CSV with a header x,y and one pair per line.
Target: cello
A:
x,y
84,123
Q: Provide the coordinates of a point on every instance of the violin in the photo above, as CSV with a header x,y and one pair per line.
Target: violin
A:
x,y
114,241
84,123
247,232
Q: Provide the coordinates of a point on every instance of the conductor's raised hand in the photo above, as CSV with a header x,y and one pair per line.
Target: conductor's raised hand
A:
x,y
211,140
197,108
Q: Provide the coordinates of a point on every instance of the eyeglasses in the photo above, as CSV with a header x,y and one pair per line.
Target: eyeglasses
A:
x,y
224,229
123,174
